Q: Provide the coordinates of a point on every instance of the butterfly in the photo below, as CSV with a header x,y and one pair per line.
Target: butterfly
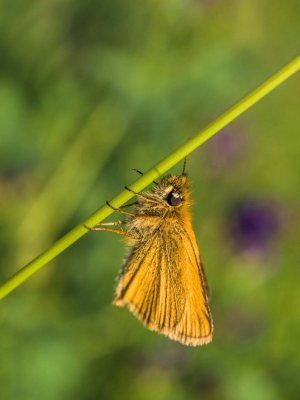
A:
x,y
162,281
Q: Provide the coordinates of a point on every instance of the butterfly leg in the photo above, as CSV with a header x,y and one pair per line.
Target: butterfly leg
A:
x,y
141,173
136,193
138,171
103,227
118,209
140,195
129,205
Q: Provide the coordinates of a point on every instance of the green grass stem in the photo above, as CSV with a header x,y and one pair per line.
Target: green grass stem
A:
x,y
155,172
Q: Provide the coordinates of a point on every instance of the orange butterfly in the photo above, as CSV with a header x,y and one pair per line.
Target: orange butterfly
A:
x,y
163,281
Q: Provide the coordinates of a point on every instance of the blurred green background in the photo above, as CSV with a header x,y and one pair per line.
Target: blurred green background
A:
x,y
91,89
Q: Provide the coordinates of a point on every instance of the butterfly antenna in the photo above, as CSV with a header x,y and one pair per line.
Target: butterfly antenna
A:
x,y
184,165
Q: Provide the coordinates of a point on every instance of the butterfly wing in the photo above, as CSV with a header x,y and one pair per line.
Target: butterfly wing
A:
x,y
164,285
196,326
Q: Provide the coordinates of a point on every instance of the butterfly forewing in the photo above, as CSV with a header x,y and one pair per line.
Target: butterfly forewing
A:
x,y
163,284
149,285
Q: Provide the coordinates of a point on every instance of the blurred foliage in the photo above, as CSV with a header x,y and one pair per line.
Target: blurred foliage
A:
x,y
91,89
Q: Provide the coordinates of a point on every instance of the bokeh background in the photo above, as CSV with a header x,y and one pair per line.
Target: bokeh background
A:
x,y
90,90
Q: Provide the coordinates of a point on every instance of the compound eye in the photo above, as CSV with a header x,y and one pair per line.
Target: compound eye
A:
x,y
174,199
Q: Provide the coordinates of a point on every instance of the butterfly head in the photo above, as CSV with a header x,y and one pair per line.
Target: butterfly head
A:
x,y
172,189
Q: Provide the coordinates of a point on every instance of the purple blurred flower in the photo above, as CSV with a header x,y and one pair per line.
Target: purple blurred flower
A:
x,y
226,149
253,224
